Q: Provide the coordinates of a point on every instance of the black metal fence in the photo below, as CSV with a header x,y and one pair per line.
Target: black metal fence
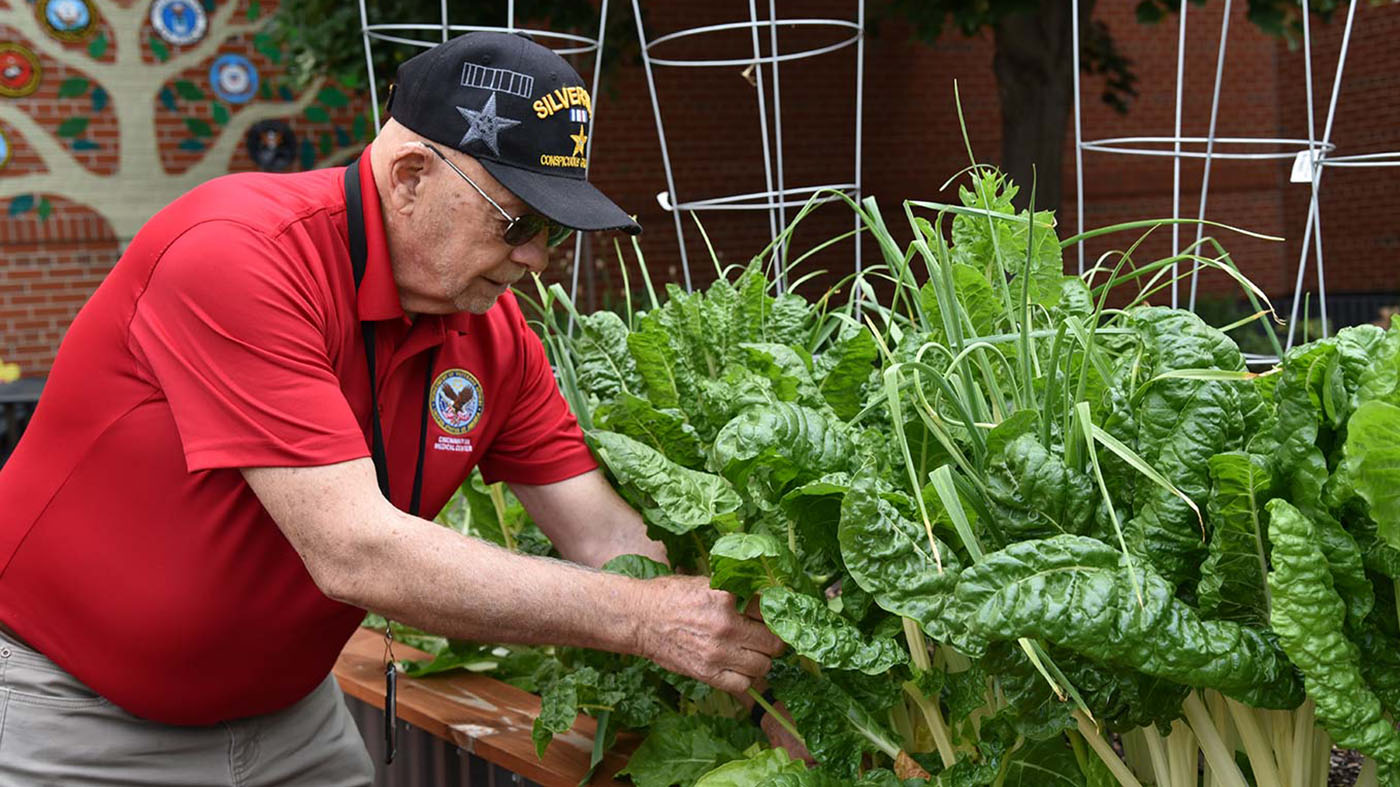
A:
x,y
424,760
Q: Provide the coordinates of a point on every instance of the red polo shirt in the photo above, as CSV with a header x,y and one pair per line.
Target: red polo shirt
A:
x,y
133,554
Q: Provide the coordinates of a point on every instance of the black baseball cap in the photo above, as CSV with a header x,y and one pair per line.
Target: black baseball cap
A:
x,y
517,108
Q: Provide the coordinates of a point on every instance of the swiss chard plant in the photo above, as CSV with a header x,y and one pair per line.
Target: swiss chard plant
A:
x,y
998,523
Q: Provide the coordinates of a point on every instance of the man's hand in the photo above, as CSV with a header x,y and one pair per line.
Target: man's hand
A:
x,y
694,630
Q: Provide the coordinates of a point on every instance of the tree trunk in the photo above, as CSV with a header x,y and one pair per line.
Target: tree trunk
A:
x,y
1034,64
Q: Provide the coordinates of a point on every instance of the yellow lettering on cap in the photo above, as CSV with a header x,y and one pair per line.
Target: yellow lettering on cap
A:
x,y
587,102
541,111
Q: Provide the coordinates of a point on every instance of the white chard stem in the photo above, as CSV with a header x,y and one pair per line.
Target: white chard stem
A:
x,y
1223,769
1106,753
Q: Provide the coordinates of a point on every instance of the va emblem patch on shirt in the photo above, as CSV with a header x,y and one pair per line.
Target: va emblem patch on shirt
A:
x,y
456,401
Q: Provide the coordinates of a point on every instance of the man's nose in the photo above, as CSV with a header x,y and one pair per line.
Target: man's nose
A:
x,y
533,255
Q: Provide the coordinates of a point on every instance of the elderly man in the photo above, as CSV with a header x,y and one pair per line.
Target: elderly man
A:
x,y
246,424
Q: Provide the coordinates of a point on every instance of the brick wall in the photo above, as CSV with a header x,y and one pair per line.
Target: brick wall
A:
x,y
912,144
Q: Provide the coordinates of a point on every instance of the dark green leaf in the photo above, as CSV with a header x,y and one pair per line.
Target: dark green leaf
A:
x,y
744,563
342,138
769,446
192,145
664,430
188,90
73,86
892,559
308,155
45,209
673,498
601,359
837,729
219,113
254,9
1076,592
637,567
99,99
1308,617
359,127
816,632
98,47
845,369
326,144
332,97
199,127
680,749
167,99
72,127
1232,583
316,114
85,144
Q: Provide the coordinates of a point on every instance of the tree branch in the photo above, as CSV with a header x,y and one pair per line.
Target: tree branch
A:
x,y
20,17
218,24
51,151
117,15
31,183
216,161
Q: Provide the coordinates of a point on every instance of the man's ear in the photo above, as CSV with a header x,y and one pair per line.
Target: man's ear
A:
x,y
407,170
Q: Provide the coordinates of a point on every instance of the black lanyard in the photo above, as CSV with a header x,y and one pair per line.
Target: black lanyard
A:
x,y
355,223
355,219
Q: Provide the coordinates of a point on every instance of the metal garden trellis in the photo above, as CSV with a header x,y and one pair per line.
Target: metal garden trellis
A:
x,y
778,196
1313,152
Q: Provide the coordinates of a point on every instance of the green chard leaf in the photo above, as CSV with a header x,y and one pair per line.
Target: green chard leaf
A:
x,y
1308,617
1301,467
637,567
891,558
559,707
1181,424
845,368
665,430
1233,584
756,770
678,750
976,299
814,631
788,368
744,563
656,363
838,730
604,366
1076,592
670,497
1033,494
769,446
1372,465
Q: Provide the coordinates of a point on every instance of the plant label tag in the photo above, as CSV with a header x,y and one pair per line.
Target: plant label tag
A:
x,y
1302,168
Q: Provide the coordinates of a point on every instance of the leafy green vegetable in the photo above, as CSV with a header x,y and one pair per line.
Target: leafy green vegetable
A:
x,y
680,749
1308,616
1076,592
816,632
673,498
744,563
1232,583
891,558
769,446
1372,464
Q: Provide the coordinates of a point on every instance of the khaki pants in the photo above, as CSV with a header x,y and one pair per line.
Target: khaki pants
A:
x,y
56,731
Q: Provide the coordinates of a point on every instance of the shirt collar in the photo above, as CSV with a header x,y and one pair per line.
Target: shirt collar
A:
x,y
378,298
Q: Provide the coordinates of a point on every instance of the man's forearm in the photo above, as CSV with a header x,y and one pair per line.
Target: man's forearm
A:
x,y
436,579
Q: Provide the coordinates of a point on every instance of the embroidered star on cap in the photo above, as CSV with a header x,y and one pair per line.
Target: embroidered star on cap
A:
x,y
485,125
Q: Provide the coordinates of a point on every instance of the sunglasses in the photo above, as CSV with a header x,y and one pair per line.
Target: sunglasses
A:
x,y
520,229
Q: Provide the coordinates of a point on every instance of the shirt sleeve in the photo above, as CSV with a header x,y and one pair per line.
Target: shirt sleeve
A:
x,y
233,331
542,442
